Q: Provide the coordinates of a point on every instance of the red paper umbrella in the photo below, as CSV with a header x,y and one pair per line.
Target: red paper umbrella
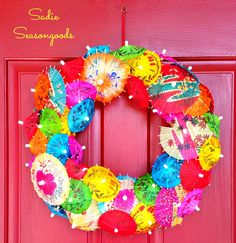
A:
x,y
117,222
70,70
137,91
193,176
30,124
75,170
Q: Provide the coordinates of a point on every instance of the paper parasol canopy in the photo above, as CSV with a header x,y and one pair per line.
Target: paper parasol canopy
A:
x,y
203,104
75,170
30,124
137,91
126,182
190,203
38,143
146,190
97,49
107,73
57,210
50,179
165,171
193,176
144,218
146,67
81,115
102,182
58,147
185,138
70,70
213,122
64,122
78,91
117,222
175,91
57,94
41,94
79,198
76,150
210,153
164,206
128,52
88,220
50,122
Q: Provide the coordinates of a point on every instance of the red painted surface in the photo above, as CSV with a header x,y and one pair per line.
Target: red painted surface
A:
x,y
121,136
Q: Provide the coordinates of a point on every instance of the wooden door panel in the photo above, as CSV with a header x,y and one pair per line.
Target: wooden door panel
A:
x,y
123,138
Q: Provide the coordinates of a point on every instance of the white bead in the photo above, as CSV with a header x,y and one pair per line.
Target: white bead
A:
x,y
149,232
39,126
20,122
221,156
41,183
124,197
116,230
27,145
221,117
185,131
52,215
153,185
84,147
190,68
154,110
200,175
62,62
165,166
86,118
32,90
173,84
73,226
164,51
126,43
197,208
130,97
100,81
88,47
26,164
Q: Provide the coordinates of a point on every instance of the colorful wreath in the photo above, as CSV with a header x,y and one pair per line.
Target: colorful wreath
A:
x,y
93,198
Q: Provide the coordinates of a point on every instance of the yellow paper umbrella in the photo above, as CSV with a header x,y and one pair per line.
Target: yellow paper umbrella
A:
x,y
64,122
38,143
50,179
147,67
210,153
176,219
102,182
144,218
87,220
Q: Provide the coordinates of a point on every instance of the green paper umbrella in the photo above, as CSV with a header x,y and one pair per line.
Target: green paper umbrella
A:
x,y
146,190
213,122
79,198
127,52
50,122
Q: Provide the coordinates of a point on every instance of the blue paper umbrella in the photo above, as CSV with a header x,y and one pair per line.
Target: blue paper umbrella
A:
x,y
57,210
166,171
96,49
81,115
58,92
58,147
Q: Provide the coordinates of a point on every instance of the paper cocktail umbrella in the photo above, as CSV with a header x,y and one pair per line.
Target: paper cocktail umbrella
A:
x,y
117,222
79,198
41,94
190,203
127,52
75,170
57,210
50,179
81,115
137,91
76,150
126,182
64,122
203,104
166,199
165,171
146,190
107,73
38,143
96,49
58,147
78,91
210,153
50,122
146,67
88,220
175,90
213,122
30,124
193,176
70,70
57,94
184,140
102,182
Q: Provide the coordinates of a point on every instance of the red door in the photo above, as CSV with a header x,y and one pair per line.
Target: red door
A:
x,y
121,137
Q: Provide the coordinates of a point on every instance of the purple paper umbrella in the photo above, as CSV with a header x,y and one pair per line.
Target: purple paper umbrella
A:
x,y
78,91
76,149
190,203
165,201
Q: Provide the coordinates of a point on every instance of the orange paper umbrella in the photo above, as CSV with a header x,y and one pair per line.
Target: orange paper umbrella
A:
x,y
38,143
41,91
107,74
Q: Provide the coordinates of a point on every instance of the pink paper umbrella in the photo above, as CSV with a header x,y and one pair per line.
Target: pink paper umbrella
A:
x,y
190,203
78,91
165,201
76,149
